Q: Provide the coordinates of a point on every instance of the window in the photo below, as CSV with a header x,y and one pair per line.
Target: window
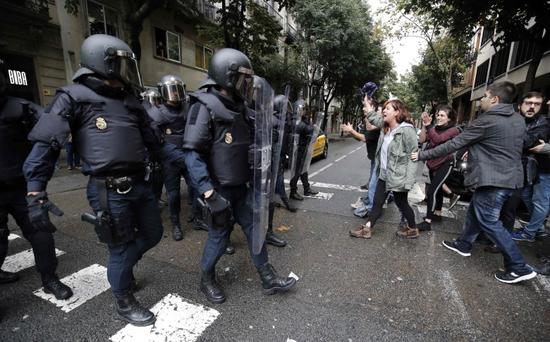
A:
x,y
481,73
202,56
523,51
487,34
499,62
102,19
167,45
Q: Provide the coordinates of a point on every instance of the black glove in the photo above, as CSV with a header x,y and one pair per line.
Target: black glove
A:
x,y
217,204
39,207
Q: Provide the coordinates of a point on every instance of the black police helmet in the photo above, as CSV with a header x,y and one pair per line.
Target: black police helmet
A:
x,y
231,70
172,88
110,58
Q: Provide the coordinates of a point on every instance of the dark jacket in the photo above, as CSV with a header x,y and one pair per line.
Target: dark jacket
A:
x,y
536,129
495,144
436,137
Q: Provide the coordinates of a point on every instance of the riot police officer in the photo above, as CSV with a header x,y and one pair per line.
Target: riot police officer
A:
x,y
169,117
151,100
17,117
111,132
304,131
216,142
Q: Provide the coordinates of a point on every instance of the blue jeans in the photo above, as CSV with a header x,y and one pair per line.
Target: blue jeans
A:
x,y
138,208
541,204
241,205
484,216
369,200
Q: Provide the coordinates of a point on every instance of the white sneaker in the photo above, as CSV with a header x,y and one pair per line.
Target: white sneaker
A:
x,y
357,204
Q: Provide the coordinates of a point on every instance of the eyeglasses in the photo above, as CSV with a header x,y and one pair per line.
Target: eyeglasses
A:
x,y
531,103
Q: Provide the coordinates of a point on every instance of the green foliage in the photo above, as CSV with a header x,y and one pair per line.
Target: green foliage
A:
x,y
338,48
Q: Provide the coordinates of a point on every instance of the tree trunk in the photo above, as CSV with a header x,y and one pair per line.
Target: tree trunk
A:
x,y
449,85
533,66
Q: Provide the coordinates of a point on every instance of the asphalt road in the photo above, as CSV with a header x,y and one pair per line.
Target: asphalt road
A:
x,y
385,288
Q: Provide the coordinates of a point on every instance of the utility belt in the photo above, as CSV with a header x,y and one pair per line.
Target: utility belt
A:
x,y
110,229
122,185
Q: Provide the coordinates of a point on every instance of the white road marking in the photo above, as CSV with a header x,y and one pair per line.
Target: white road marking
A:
x,y
22,260
320,170
334,186
322,195
416,193
451,293
342,157
177,320
544,282
292,275
13,237
445,212
86,284
290,340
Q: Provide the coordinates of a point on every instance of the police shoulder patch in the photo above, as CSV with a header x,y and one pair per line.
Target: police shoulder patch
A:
x,y
100,123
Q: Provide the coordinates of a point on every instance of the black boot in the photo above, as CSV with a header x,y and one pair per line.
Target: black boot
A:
x,y
199,224
177,233
295,195
288,207
272,239
8,277
53,285
309,192
132,312
272,282
211,288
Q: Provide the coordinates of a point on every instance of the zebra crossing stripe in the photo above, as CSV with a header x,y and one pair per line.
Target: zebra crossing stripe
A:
x,y
321,195
86,284
177,320
22,260
13,237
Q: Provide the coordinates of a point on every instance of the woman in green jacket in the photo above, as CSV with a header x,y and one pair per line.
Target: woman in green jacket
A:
x,y
397,170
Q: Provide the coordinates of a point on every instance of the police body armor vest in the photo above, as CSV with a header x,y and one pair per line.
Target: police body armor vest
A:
x,y
14,146
228,158
106,131
172,122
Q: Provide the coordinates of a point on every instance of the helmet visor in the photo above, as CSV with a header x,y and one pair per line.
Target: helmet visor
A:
x,y
244,84
126,67
151,97
173,91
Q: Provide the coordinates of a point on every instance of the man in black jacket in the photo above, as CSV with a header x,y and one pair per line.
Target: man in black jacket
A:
x,y
538,172
495,144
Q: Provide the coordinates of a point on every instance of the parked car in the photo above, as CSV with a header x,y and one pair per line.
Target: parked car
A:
x,y
320,149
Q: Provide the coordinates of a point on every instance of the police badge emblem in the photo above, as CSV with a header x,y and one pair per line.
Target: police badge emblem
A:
x,y
228,138
100,123
168,131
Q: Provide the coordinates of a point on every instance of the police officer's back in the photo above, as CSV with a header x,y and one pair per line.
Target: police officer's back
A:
x,y
17,117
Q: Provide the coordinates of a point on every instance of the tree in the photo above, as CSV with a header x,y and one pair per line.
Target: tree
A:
x,y
511,19
449,54
337,49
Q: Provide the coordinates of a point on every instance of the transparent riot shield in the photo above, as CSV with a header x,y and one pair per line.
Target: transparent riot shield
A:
x,y
277,146
261,186
295,156
313,139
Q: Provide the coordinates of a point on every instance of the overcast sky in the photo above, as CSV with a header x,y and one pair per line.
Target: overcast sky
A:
x,y
404,52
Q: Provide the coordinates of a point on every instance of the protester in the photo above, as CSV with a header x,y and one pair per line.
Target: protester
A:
x,y
396,173
494,141
439,168
73,159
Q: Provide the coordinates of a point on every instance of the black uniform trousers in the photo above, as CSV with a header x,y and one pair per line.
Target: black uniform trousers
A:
x,y
12,202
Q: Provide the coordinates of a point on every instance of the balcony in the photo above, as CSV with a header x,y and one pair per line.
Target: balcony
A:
x,y
207,9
